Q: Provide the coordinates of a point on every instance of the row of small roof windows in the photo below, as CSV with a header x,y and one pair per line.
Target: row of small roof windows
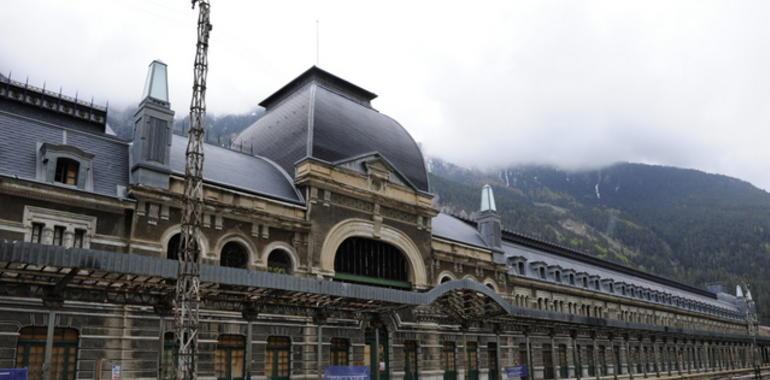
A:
x,y
560,275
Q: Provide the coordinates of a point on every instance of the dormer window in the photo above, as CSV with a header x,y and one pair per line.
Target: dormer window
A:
x,y
542,273
585,282
521,268
67,171
557,276
66,165
572,279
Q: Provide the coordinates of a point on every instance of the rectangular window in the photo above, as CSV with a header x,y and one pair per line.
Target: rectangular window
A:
x,y
79,237
563,368
547,362
168,357
340,349
277,358
58,235
590,361
66,171
523,358
557,276
30,352
37,233
472,360
230,356
542,273
448,361
521,269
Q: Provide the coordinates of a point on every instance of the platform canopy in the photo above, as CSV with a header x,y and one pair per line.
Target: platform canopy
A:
x,y
55,274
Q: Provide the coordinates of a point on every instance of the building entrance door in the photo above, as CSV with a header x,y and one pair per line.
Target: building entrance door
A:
x,y
377,357
492,359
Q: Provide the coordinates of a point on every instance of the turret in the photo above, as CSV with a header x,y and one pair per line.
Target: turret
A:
x,y
489,220
152,131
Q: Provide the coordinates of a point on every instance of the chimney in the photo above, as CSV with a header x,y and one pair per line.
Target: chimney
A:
x,y
489,221
153,121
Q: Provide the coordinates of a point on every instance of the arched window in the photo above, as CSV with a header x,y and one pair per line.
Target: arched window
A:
x,y
172,249
234,255
445,279
230,356
66,171
30,352
372,262
279,261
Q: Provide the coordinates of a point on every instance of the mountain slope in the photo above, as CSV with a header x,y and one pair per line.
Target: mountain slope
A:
x,y
688,225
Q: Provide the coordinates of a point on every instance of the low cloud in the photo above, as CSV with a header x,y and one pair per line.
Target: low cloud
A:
x,y
572,84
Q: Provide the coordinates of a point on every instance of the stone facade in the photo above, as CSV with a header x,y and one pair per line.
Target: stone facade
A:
x,y
563,331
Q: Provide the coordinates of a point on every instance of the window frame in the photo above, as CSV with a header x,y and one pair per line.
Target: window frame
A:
x,y
63,345
340,351
228,348
274,355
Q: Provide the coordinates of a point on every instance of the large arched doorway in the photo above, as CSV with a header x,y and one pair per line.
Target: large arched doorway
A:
x,y
369,261
234,255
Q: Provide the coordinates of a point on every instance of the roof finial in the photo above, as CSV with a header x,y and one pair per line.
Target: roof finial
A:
x,y
317,43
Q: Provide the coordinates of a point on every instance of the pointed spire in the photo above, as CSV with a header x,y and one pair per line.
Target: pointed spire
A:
x,y
738,291
487,199
156,84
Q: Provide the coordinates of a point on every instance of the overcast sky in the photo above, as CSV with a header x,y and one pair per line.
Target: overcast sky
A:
x,y
571,83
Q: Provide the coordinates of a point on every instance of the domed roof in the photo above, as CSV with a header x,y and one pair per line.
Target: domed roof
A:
x,y
322,116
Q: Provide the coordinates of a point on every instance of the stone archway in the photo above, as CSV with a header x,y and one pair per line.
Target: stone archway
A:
x,y
364,228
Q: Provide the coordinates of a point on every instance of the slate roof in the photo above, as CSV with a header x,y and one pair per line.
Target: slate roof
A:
x,y
451,228
239,171
455,229
20,136
322,116
532,255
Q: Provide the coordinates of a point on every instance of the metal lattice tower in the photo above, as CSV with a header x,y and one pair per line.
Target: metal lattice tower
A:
x,y
187,301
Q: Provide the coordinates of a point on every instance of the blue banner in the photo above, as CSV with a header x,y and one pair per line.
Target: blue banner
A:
x,y
14,374
516,371
343,372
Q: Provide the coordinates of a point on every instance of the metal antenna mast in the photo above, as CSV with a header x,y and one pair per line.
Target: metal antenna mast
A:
x,y
187,301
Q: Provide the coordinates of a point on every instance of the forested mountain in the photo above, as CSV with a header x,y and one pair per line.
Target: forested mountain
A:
x,y
688,225
220,129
